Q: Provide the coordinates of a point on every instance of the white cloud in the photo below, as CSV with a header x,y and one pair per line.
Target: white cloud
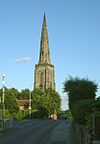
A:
x,y
23,59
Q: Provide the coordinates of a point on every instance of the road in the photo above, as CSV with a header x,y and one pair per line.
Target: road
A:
x,y
38,132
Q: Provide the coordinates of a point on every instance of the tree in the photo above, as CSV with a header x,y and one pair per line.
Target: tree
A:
x,y
10,100
14,92
84,110
0,97
68,114
24,94
79,89
48,100
53,101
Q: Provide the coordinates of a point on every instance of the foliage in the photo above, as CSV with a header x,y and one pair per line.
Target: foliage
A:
x,y
22,114
40,113
68,114
24,94
84,110
44,102
98,98
14,92
0,98
48,100
10,100
7,115
79,89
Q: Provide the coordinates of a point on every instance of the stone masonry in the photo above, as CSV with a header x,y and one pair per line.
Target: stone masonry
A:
x,y
44,70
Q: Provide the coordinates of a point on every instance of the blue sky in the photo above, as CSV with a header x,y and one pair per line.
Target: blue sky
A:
x,y
74,39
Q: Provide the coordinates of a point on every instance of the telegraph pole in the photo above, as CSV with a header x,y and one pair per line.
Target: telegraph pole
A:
x,y
3,94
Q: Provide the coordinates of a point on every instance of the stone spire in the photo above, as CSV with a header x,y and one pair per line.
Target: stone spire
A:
x,y
44,71
44,45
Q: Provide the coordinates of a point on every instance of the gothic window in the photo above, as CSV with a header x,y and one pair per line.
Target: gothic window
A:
x,y
38,76
49,77
41,77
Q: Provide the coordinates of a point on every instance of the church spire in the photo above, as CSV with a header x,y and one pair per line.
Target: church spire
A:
x,y
44,45
44,70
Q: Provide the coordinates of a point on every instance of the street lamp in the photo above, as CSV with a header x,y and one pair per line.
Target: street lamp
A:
x,y
3,93
30,102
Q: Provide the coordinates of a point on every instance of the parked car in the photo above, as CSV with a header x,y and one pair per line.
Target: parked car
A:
x,y
62,117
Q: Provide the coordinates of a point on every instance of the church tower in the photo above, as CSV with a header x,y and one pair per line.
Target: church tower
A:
x,y
44,70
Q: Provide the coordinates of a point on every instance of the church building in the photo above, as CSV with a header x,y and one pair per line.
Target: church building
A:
x,y
44,71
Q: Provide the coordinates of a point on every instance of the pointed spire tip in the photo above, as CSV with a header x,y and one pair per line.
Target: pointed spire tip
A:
x,y
44,16
44,19
44,13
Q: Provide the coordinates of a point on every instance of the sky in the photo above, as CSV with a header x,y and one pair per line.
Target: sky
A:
x,y
74,40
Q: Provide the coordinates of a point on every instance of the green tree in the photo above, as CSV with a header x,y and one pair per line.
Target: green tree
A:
x,y
24,94
84,110
53,101
68,114
79,89
0,97
10,100
14,92
48,100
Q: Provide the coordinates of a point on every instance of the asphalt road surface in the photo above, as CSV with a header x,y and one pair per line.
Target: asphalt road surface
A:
x,y
37,132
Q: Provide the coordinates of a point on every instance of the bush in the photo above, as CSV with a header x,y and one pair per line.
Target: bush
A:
x,y
83,111
22,114
41,113
79,89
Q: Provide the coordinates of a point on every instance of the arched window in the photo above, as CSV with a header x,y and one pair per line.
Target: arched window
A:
x,y
41,78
